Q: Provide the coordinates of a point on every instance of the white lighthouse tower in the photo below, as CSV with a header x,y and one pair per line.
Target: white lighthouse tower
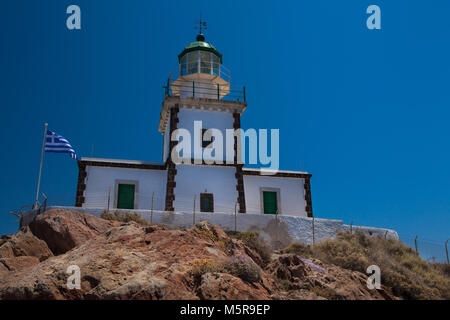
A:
x,y
199,91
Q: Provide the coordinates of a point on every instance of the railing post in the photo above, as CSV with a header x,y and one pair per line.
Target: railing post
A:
x,y
167,87
218,92
193,89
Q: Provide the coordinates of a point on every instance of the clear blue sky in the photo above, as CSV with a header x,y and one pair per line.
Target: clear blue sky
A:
x,y
366,112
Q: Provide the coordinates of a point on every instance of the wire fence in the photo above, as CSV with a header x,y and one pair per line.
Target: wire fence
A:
x,y
429,249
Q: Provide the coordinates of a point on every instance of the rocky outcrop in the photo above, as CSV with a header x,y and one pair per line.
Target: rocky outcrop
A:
x,y
132,261
24,243
21,251
222,286
63,230
300,278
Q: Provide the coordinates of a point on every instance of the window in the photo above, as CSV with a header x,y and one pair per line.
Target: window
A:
x,y
125,196
199,61
192,62
206,202
205,62
215,64
183,66
205,143
270,202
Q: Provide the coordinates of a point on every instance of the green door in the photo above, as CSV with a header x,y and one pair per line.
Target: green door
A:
x,y
206,202
125,196
270,202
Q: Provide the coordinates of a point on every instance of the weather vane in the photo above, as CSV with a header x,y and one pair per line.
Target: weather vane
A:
x,y
201,25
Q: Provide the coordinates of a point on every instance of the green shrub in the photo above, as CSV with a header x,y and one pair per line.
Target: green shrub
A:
x,y
442,267
202,266
254,242
239,266
402,269
124,217
243,267
298,249
326,292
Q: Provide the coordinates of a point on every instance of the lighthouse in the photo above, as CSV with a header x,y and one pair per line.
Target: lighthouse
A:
x,y
199,97
200,72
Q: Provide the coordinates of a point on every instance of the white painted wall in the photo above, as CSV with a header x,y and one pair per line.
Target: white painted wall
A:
x,y
196,179
292,194
166,139
99,179
210,119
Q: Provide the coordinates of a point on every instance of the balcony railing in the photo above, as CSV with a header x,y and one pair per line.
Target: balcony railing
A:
x,y
210,90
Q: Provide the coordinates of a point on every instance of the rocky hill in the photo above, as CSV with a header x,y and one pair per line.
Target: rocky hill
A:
x,y
127,260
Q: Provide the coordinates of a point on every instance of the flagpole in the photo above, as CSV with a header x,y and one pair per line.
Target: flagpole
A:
x,y
40,166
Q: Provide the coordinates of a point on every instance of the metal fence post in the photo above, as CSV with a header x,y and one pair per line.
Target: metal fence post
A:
x,y
446,250
193,216
218,92
45,202
313,232
193,89
235,217
109,199
151,214
415,243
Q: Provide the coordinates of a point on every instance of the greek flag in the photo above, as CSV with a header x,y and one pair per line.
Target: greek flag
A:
x,y
56,143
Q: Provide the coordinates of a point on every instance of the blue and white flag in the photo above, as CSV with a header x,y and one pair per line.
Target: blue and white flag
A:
x,y
56,143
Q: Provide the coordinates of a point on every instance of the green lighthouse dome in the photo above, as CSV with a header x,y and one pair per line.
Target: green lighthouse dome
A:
x,y
200,45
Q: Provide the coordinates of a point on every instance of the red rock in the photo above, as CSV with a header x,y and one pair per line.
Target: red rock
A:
x,y
222,286
24,243
18,263
131,261
63,230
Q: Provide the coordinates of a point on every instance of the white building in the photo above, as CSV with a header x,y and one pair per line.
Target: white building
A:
x,y
200,92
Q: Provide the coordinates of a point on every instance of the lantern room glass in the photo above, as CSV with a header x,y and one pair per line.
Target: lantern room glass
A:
x,y
199,62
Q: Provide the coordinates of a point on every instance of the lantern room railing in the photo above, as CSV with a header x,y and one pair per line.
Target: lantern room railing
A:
x,y
196,89
201,67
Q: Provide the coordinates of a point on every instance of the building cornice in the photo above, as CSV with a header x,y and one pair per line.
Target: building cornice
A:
x,y
204,104
276,174
115,163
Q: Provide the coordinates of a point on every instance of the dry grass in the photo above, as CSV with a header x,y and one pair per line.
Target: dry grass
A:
x,y
124,217
402,269
239,266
